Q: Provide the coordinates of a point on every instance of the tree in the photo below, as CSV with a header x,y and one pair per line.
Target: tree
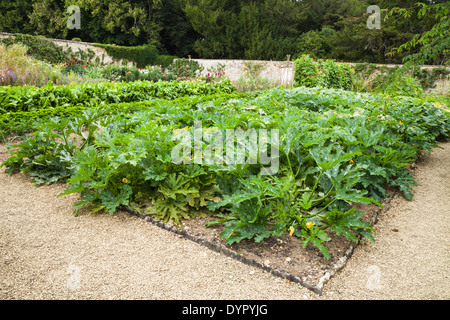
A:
x,y
317,44
177,35
122,22
354,42
432,46
245,29
14,16
275,28
216,22
47,18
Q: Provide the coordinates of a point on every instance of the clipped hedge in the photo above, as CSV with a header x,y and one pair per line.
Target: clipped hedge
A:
x,y
141,55
164,60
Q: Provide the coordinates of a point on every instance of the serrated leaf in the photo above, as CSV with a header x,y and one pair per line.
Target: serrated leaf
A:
x,y
171,210
305,202
346,222
327,159
316,236
111,201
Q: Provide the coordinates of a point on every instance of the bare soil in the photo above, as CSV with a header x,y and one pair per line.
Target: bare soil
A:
x,y
286,253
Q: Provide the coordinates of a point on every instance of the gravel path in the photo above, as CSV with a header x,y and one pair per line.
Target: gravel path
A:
x,y
47,253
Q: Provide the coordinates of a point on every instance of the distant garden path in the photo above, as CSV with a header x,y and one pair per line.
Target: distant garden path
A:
x,y
47,253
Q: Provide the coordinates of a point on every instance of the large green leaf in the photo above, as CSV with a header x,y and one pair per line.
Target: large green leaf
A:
x,y
348,223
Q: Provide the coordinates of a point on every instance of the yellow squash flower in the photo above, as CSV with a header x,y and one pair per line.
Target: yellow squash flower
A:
x,y
291,231
310,224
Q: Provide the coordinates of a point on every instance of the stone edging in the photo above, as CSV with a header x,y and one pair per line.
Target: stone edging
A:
x,y
318,288
343,260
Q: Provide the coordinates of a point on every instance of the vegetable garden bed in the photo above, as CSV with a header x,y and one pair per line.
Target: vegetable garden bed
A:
x,y
335,158
283,257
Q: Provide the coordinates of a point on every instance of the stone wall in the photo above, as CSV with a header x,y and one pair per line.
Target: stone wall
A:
x,y
75,45
282,72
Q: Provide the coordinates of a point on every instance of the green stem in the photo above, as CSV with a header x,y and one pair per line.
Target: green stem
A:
x,y
324,197
315,186
324,207
289,163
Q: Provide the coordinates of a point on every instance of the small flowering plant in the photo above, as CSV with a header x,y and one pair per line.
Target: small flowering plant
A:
x,y
19,69
75,66
214,74
152,73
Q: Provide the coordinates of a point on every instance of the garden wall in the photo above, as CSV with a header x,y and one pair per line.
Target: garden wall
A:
x,y
282,72
75,45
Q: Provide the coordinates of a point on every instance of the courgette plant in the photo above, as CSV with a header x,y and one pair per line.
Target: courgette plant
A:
x,y
312,194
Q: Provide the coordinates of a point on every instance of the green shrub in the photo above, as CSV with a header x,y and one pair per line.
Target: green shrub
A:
x,y
141,55
168,76
400,84
326,73
185,68
305,72
347,76
330,76
335,75
152,73
316,43
164,61
75,66
113,72
38,47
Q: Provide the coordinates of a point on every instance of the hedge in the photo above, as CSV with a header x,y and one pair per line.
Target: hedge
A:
x,y
141,55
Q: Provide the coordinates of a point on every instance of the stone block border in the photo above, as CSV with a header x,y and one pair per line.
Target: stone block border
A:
x,y
316,288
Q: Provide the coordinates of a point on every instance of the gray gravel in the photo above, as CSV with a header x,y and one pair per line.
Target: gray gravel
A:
x,y
47,253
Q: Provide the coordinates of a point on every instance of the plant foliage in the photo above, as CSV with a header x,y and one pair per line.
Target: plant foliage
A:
x,y
336,149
